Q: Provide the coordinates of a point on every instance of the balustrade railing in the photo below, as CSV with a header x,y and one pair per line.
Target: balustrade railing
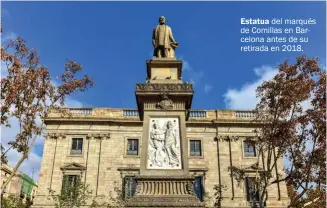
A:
x,y
130,113
198,114
245,114
81,111
195,114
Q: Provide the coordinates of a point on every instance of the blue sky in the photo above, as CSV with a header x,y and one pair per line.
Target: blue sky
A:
x,y
112,40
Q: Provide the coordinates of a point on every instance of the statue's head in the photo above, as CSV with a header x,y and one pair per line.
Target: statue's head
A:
x,y
169,124
154,125
162,20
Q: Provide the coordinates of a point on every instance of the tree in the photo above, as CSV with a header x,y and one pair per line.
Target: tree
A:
x,y
72,195
291,115
12,201
28,93
217,194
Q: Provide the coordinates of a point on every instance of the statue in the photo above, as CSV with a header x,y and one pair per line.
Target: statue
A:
x,y
163,41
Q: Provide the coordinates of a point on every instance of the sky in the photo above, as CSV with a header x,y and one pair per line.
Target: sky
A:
x,y
112,41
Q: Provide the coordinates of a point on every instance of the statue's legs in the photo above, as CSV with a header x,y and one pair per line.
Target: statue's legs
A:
x,y
166,51
159,52
162,52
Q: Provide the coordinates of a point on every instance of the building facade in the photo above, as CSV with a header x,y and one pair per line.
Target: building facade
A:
x,y
103,146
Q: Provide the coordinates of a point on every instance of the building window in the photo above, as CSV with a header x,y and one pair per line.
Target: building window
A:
x,y
77,146
252,194
198,187
195,148
132,147
129,186
69,185
249,149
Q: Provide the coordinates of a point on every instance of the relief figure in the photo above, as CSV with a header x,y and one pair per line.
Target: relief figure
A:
x,y
171,145
158,136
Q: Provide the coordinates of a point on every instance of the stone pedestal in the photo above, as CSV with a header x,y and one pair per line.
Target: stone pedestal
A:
x,y
164,70
164,192
163,103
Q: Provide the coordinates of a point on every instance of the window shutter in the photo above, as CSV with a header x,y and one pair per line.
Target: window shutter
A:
x,y
247,189
198,148
251,192
132,146
64,184
74,144
198,187
129,144
192,144
80,144
130,186
249,149
195,148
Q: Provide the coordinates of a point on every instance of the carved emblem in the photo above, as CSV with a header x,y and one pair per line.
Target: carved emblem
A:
x,y
165,103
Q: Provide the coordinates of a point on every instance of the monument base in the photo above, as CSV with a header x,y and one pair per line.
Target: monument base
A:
x,y
164,192
164,201
164,70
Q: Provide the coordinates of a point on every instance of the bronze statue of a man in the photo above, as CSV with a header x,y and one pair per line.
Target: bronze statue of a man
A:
x,y
163,41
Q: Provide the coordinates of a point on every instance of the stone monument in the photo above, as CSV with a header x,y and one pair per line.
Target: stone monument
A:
x,y
163,104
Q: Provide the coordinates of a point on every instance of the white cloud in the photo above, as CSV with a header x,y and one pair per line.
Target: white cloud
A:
x,y
31,166
245,97
186,66
8,36
4,71
4,40
207,88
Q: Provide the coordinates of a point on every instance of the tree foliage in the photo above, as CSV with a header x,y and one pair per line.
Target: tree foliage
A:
x,y
71,196
28,92
10,201
292,117
218,189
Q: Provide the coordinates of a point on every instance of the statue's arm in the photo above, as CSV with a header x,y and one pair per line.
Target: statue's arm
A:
x,y
171,37
154,37
175,133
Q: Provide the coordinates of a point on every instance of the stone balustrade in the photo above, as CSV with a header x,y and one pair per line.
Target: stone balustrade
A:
x,y
245,114
198,114
81,111
133,114
151,186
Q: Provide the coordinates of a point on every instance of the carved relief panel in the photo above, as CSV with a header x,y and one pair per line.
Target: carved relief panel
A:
x,y
164,149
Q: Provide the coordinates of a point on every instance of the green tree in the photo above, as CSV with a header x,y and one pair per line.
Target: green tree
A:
x,y
11,200
72,195
218,194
